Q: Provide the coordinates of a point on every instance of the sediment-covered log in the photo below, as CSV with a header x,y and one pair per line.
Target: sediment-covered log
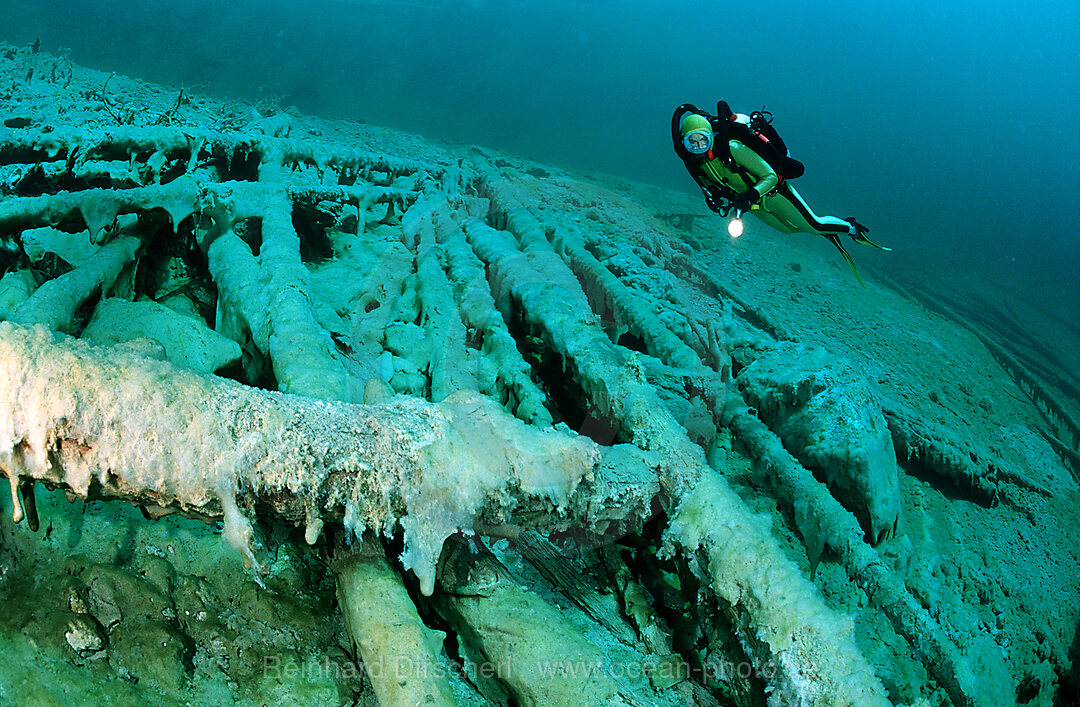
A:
x,y
121,143
100,207
517,641
830,419
101,422
399,652
452,366
817,510
55,302
524,396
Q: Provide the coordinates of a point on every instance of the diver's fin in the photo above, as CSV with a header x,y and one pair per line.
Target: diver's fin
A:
x,y
861,238
835,240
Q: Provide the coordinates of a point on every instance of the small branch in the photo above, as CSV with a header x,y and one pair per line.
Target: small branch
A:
x,y
122,119
168,117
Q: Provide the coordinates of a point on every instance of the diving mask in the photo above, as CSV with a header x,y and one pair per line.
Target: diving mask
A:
x,y
698,142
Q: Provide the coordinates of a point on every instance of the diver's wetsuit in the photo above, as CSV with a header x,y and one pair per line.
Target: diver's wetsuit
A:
x,y
779,206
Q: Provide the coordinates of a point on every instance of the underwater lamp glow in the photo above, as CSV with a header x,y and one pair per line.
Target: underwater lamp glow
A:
x,y
735,227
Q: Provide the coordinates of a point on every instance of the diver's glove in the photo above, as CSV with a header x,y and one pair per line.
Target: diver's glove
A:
x,y
744,201
712,200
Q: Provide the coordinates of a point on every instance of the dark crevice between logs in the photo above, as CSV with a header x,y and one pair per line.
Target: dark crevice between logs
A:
x,y
168,249
16,152
12,256
29,503
631,338
566,400
49,267
34,182
926,471
702,629
1068,692
313,223
252,369
704,635
347,175
84,313
174,170
249,230
11,231
633,342
426,606
243,166
214,155
698,622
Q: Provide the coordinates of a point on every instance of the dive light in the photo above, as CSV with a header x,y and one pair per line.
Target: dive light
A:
x,y
735,225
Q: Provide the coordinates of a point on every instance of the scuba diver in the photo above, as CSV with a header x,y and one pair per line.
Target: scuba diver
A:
x,y
741,164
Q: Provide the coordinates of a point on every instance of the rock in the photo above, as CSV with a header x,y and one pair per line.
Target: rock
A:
x,y
104,604
84,635
831,421
76,602
153,650
109,588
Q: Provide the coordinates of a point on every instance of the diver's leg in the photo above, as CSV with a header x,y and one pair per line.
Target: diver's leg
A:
x,y
786,206
771,220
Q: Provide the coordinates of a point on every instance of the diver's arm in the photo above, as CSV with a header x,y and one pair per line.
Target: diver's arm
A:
x,y
713,198
767,179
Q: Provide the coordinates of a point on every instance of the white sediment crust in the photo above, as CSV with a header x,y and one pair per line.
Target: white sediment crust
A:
x,y
73,248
